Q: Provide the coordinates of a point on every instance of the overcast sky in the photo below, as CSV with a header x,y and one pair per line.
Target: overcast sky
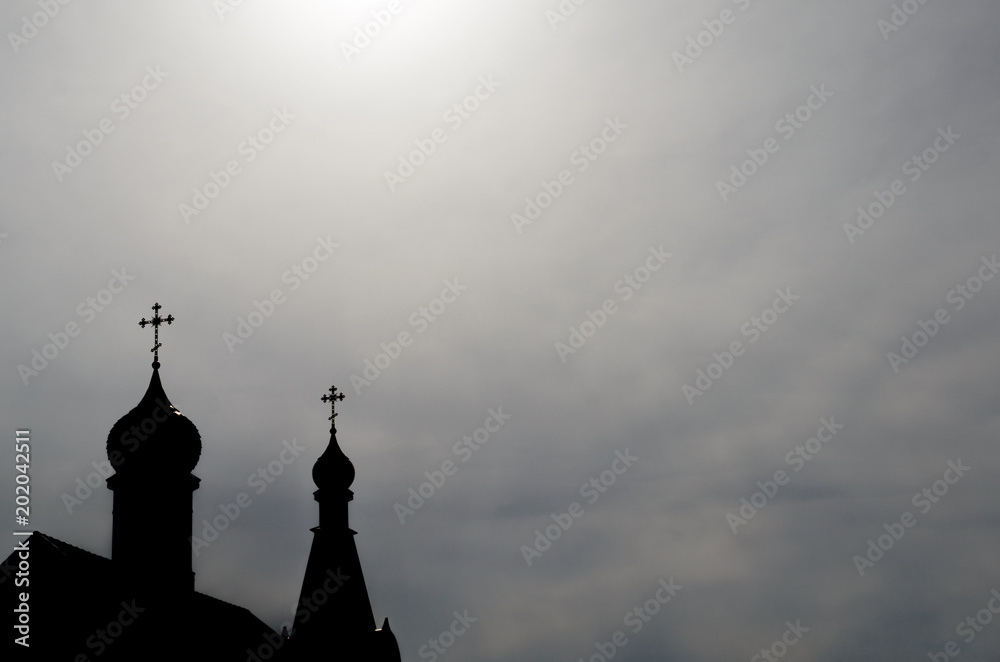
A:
x,y
570,215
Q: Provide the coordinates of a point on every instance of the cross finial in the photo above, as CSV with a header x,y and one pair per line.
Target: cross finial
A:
x,y
332,398
156,321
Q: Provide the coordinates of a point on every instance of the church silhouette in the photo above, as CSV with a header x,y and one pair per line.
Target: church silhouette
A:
x,y
141,604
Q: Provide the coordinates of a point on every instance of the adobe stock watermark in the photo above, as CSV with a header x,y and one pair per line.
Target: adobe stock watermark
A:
x,y
307,607
626,287
592,491
220,179
914,167
122,106
131,439
30,27
223,7
582,158
293,278
563,11
364,34
958,297
924,500
463,450
969,627
636,619
439,645
19,566
779,649
88,310
420,320
786,127
714,28
795,458
754,329
259,480
455,116
899,17
105,637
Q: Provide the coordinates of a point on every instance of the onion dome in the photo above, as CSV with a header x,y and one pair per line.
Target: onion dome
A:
x,y
333,470
154,437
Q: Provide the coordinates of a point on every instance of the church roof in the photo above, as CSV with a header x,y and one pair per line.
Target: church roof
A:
x,y
75,593
71,553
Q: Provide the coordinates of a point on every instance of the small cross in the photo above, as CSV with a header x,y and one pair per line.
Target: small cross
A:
x,y
156,321
332,399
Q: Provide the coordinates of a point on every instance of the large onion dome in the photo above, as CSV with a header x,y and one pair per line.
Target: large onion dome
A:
x,y
154,438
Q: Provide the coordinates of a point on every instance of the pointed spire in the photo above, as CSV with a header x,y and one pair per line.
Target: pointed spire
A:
x,y
385,648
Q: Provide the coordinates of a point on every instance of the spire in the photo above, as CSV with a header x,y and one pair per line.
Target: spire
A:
x,y
333,573
153,449
154,435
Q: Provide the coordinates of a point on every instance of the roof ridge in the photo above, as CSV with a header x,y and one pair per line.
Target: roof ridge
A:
x,y
59,544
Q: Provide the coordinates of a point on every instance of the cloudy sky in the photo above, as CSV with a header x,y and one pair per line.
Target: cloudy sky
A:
x,y
729,239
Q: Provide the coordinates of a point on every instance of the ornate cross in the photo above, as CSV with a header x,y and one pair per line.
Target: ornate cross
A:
x,y
332,399
156,321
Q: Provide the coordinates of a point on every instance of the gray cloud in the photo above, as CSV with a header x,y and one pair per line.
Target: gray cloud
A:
x,y
656,185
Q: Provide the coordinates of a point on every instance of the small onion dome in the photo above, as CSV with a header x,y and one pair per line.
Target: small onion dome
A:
x,y
154,437
333,470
